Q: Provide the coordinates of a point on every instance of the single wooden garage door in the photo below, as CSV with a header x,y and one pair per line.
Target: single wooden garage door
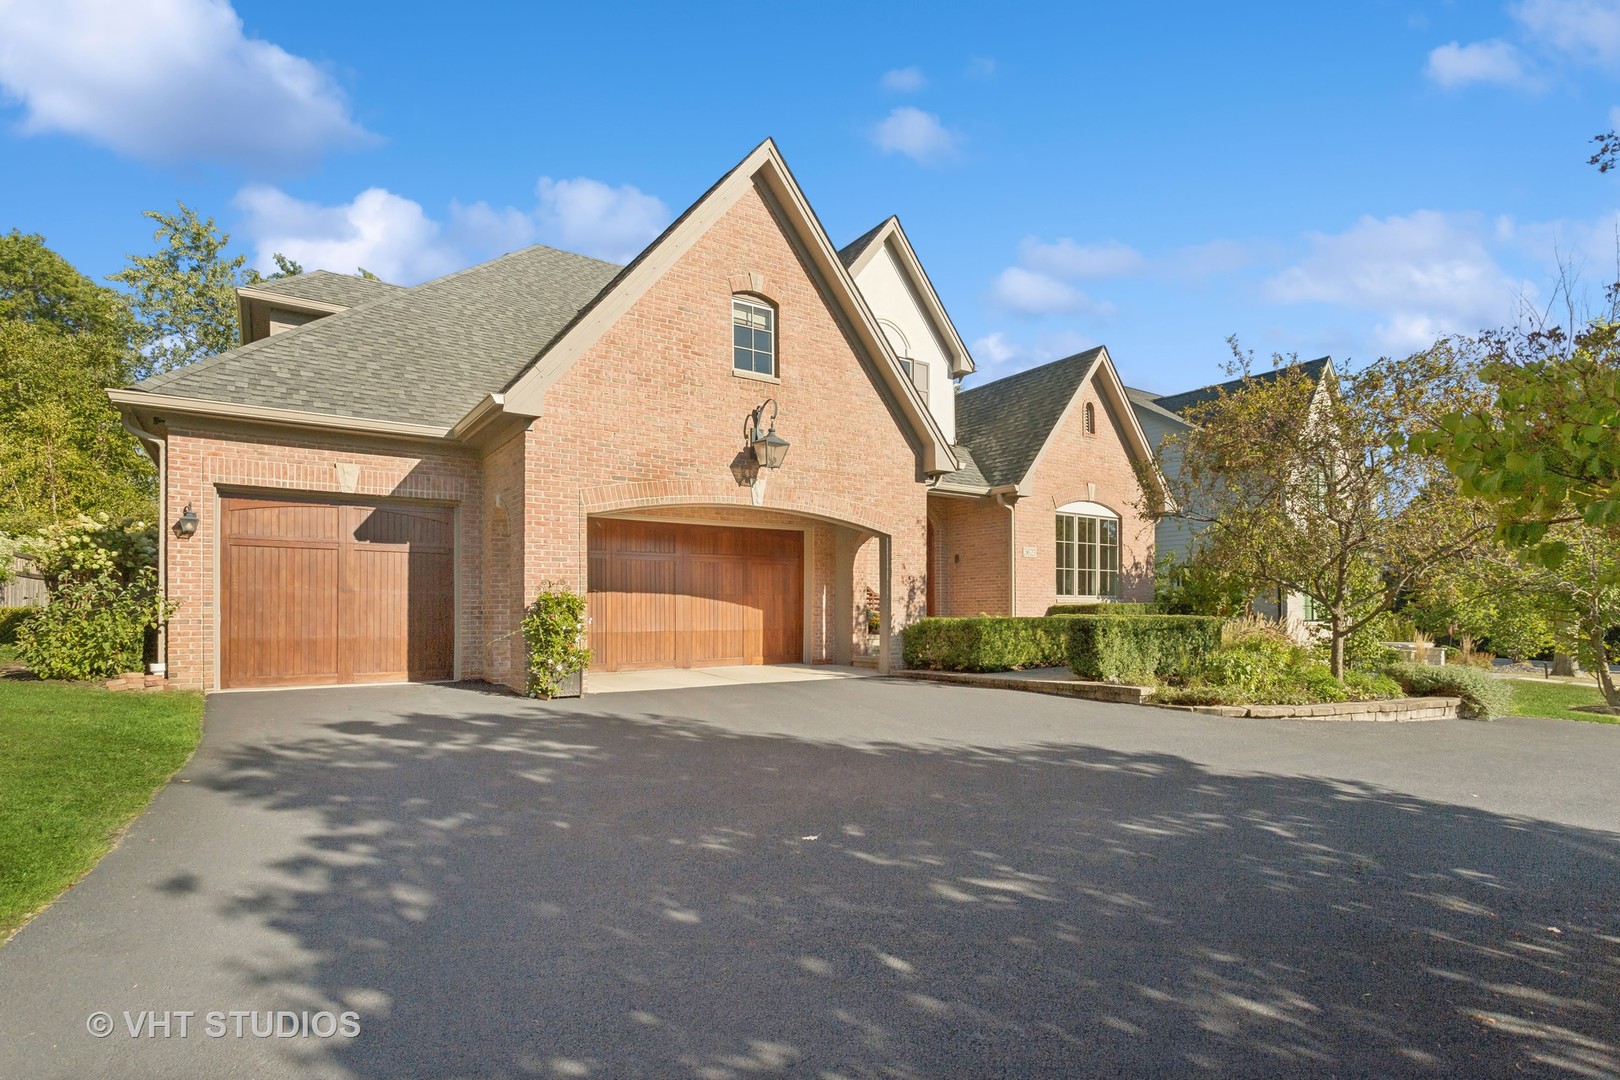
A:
x,y
320,592
665,595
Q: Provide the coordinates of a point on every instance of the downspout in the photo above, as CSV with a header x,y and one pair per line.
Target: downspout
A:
x,y
1012,551
162,532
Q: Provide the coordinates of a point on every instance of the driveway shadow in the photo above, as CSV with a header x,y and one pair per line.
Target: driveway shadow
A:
x,y
512,889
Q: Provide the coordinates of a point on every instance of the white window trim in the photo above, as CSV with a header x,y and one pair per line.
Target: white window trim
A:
x,y
759,302
1085,508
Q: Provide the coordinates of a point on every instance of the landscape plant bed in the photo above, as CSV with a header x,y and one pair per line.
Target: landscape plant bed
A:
x,y
1389,709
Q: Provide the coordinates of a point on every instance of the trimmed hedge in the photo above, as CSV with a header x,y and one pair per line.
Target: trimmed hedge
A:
x,y
1125,647
11,618
986,643
1483,695
1104,609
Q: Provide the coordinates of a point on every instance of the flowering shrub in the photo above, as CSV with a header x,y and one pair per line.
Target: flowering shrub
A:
x,y
93,627
103,598
554,627
91,547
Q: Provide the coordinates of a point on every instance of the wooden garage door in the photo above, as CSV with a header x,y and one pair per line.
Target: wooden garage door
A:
x,y
317,592
666,595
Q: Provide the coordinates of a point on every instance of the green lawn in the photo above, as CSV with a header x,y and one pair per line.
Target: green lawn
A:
x,y
77,764
1543,697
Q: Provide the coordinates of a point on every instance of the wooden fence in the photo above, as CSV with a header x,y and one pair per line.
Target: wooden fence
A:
x,y
25,588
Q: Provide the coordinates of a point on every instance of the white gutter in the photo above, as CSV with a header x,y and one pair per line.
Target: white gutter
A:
x,y
1000,494
162,528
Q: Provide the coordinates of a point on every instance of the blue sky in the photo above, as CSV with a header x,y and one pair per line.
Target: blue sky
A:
x,y
1345,179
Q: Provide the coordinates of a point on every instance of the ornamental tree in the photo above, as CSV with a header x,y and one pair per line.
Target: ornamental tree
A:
x,y
1309,486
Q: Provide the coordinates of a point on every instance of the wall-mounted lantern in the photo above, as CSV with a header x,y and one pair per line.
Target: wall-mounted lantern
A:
x,y
769,447
186,525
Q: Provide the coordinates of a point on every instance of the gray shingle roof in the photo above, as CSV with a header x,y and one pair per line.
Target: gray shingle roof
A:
x,y
1180,403
1005,423
968,475
1147,401
424,355
852,250
323,286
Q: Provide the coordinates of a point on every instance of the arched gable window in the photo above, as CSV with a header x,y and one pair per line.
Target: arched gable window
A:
x,y
1087,551
916,370
753,335
1090,419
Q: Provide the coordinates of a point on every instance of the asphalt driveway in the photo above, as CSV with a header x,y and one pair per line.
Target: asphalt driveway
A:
x,y
863,878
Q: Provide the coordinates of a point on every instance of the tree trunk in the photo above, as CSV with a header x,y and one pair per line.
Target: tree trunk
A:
x,y
1600,657
1562,664
1336,655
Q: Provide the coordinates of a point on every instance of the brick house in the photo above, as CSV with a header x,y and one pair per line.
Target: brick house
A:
x,y
375,483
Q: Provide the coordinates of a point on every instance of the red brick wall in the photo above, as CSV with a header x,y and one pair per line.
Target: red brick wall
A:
x,y
971,556
203,460
1071,461
652,416
649,419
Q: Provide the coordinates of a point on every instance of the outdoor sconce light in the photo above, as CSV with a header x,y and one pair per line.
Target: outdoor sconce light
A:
x,y
769,447
187,525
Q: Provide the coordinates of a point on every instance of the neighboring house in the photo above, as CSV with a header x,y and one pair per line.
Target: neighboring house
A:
x,y
1164,415
380,478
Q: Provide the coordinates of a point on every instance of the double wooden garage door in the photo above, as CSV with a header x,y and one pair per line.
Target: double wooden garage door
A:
x,y
320,592
666,595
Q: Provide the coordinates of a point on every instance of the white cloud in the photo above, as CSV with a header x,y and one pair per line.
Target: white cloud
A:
x,y
1026,292
1199,262
994,350
396,239
386,233
1586,30
981,67
1453,65
996,354
1420,275
588,216
168,80
906,80
1065,258
917,134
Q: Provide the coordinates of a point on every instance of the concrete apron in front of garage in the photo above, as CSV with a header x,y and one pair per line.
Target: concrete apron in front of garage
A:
x,y
619,682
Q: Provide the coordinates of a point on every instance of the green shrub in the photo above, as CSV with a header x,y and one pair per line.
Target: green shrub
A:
x,y
1103,609
1483,695
554,627
1365,686
1203,694
986,643
1133,647
11,620
93,628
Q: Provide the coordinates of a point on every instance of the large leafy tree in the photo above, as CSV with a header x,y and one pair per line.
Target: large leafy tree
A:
x,y
40,287
1543,451
63,451
184,293
63,340
1545,446
1306,486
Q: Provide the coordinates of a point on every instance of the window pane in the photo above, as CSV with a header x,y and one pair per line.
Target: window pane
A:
x,y
741,336
763,363
742,359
